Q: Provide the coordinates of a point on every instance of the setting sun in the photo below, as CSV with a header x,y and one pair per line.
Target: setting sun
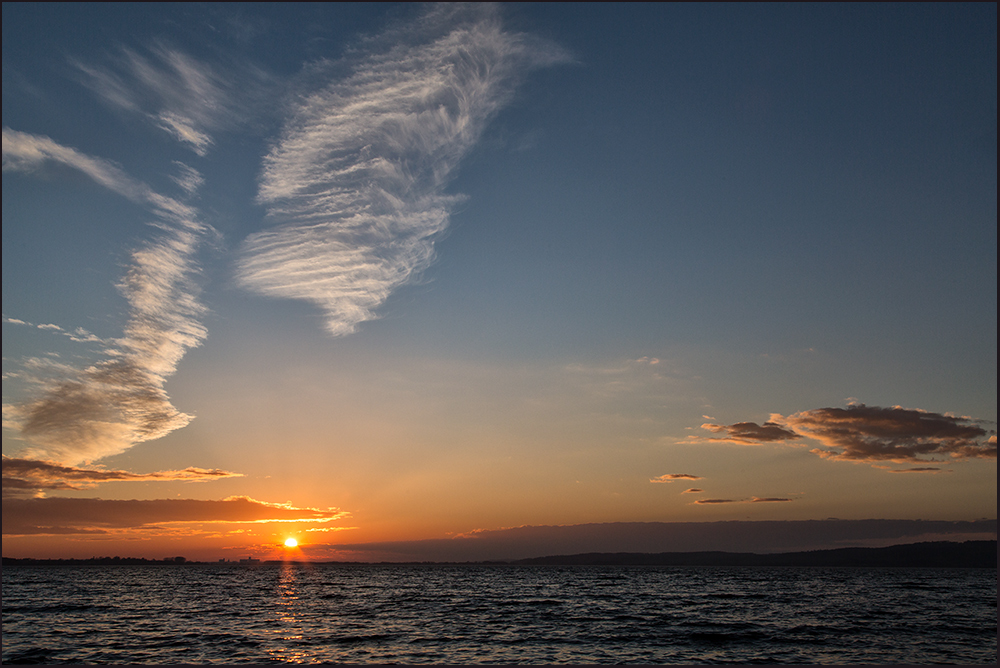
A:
x,y
291,542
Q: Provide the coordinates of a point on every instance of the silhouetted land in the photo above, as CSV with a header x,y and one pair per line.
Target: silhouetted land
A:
x,y
100,561
970,554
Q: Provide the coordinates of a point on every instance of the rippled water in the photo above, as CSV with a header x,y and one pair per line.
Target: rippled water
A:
x,y
496,614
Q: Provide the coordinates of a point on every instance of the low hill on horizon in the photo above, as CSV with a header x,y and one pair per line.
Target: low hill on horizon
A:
x,y
938,554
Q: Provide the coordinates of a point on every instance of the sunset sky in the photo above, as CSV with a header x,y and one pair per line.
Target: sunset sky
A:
x,y
382,275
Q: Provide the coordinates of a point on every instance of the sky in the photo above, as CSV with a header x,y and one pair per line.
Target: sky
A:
x,y
413,281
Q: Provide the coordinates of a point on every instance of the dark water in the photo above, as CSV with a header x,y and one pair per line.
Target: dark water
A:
x,y
481,614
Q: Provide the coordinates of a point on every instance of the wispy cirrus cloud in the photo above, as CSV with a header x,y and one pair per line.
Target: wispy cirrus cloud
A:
x,y
871,434
670,477
355,183
188,179
24,477
60,515
186,98
25,152
108,407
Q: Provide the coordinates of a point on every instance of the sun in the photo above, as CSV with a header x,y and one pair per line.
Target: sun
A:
x,y
291,542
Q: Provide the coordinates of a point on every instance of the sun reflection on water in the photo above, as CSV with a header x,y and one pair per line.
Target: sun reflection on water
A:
x,y
287,628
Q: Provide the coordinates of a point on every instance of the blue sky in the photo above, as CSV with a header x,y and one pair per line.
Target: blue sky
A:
x,y
447,269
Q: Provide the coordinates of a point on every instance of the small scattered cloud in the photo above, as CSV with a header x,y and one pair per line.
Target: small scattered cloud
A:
x,y
30,477
919,469
670,477
708,502
870,434
93,516
79,334
693,490
767,499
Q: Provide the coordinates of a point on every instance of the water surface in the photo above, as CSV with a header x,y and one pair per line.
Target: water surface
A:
x,y
230,613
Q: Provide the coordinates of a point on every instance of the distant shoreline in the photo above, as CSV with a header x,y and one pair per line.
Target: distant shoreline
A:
x,y
940,554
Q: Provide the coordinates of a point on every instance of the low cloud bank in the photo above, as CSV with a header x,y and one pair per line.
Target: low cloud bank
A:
x,y
90,516
762,537
30,477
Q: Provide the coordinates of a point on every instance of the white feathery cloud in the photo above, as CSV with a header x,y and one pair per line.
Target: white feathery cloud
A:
x,y
355,182
176,92
183,130
105,409
24,152
189,179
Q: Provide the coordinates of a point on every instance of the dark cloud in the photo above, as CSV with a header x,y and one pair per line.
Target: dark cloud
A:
x,y
750,433
692,490
87,516
921,469
670,477
871,433
23,477
109,407
752,499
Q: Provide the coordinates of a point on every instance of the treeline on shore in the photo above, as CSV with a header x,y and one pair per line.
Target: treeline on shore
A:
x,y
99,561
